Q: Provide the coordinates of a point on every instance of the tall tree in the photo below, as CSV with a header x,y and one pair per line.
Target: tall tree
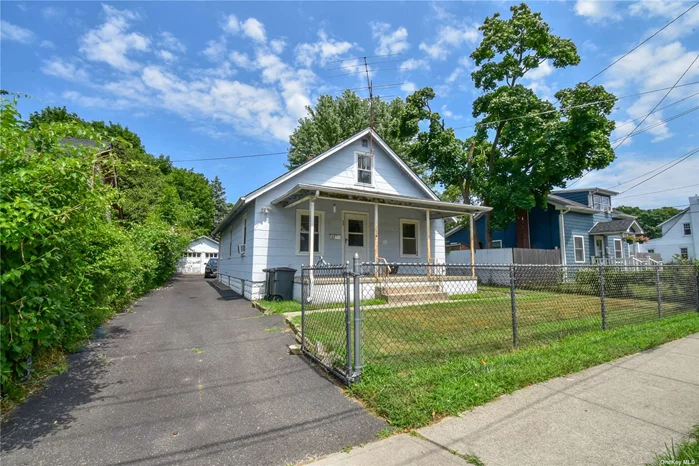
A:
x,y
334,119
649,219
221,204
534,146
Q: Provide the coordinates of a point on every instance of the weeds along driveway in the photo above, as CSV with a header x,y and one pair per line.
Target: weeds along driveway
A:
x,y
191,376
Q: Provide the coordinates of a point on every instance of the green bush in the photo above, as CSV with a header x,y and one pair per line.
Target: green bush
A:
x,y
67,265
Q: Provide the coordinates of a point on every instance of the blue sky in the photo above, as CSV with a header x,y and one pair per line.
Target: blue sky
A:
x,y
198,80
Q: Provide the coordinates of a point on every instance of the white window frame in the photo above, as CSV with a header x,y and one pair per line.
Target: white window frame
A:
x,y
685,254
321,231
599,205
575,249
685,227
410,221
356,171
618,253
496,241
244,232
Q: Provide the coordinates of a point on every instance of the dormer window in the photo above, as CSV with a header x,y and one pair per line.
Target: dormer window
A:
x,y
364,169
602,203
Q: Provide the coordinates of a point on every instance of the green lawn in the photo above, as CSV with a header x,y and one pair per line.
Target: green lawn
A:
x,y
282,307
684,453
430,360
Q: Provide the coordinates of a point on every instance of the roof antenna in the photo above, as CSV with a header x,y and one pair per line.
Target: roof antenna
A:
x,y
371,111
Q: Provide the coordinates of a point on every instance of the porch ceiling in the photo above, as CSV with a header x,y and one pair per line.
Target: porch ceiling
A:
x,y
438,209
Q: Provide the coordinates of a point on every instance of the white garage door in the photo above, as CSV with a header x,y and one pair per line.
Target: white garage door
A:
x,y
192,263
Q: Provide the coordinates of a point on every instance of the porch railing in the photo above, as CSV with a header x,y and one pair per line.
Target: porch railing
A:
x,y
625,261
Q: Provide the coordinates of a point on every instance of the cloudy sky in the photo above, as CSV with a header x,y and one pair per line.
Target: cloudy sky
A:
x,y
198,80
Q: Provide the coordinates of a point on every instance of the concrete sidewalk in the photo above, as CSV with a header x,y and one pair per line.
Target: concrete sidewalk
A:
x,y
623,412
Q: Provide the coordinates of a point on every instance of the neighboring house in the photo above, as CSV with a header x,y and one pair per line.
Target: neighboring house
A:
x,y
198,253
579,222
363,200
680,234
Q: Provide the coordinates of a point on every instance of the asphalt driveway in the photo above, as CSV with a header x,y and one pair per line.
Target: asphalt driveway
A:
x,y
191,376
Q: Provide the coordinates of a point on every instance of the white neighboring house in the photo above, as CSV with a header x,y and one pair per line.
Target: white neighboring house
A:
x,y
680,234
364,200
198,253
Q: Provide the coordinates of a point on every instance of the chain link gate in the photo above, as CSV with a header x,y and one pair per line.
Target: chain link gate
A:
x,y
401,314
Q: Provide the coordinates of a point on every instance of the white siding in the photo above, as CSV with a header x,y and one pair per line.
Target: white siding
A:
x,y
235,269
673,239
195,265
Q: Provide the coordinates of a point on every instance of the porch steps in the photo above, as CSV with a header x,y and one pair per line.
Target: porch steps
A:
x,y
412,294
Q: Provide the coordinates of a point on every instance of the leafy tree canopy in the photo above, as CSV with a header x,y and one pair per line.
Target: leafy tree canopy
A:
x,y
649,219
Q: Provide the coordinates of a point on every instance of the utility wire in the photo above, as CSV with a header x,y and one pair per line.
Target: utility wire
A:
x,y
231,157
658,123
661,100
661,108
362,64
361,58
656,192
662,171
647,173
646,40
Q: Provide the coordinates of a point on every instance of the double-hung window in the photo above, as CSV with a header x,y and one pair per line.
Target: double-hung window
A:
x,y
409,237
303,231
687,228
684,253
364,168
579,248
601,202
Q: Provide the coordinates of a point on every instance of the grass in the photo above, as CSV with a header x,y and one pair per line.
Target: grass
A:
x,y
272,330
683,453
282,307
415,394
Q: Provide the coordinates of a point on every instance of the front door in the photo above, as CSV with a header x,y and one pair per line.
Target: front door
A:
x,y
599,246
355,235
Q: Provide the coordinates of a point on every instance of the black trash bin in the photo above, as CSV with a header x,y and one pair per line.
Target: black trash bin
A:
x,y
279,285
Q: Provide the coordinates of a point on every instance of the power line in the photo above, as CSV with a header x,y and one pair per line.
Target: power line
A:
x,y
361,58
231,157
661,100
659,123
362,64
648,172
575,106
658,110
646,40
366,88
362,71
656,192
662,171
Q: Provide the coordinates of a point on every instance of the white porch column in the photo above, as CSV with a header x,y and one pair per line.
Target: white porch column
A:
x,y
376,233
472,225
311,229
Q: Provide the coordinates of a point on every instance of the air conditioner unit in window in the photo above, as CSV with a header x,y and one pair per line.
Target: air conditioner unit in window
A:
x,y
241,249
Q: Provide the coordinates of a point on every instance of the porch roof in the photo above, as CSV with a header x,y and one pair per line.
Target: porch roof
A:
x,y
616,227
438,209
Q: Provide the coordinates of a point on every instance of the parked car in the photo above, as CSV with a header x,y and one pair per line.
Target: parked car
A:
x,y
211,269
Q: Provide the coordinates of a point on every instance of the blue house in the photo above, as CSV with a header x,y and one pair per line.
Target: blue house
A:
x,y
581,223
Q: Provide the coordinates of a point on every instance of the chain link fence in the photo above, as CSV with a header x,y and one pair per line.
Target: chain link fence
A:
x,y
401,313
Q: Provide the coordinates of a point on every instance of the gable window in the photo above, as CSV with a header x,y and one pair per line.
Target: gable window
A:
x,y
303,229
364,168
496,244
603,203
687,228
618,249
579,248
651,251
409,237
684,253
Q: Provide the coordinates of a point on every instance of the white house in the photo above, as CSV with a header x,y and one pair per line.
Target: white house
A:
x,y
363,198
197,255
680,234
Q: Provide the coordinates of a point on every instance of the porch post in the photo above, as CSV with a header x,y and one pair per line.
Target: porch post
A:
x,y
376,233
473,249
429,240
311,229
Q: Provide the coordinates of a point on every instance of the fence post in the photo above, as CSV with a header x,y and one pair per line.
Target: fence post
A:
x,y
357,318
601,293
513,304
348,322
660,297
303,308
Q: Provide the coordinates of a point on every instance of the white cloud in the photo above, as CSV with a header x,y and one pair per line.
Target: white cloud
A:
x,y
50,12
414,64
64,70
231,24
685,26
9,31
597,10
215,49
168,41
449,38
99,102
47,44
254,29
454,75
241,60
408,87
111,42
449,114
321,51
541,72
166,55
389,42
277,45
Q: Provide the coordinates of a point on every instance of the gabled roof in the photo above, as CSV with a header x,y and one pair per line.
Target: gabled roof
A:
x,y
303,167
559,201
675,218
624,225
205,237
606,192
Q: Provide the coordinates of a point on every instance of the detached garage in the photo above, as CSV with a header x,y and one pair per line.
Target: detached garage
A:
x,y
197,255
